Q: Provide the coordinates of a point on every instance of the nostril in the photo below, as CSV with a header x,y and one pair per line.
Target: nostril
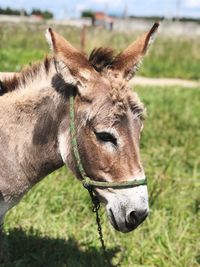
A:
x,y
137,216
132,217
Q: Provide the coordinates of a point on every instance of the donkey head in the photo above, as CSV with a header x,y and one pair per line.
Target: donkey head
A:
x,y
108,123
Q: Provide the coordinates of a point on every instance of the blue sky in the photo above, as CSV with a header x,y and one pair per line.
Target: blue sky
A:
x,y
69,8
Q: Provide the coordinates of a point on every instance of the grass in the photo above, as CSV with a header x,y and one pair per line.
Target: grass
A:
x,y
54,226
176,57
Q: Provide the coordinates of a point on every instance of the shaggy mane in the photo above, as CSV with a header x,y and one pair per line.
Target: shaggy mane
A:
x,y
101,58
12,83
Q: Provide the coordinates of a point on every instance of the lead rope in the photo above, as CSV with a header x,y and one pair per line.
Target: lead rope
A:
x,y
94,199
96,206
95,209
87,185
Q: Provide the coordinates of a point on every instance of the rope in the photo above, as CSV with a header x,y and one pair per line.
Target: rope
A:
x,y
90,184
73,138
94,199
86,181
96,207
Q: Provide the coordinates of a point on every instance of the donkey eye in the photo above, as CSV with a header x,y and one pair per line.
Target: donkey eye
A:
x,y
106,137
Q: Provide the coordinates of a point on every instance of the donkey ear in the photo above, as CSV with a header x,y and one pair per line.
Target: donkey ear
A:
x,y
70,60
129,60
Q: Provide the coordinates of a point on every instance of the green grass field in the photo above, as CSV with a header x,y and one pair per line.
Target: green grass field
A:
x,y
53,226
176,57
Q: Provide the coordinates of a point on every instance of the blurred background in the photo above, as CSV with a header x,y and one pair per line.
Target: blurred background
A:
x,y
53,225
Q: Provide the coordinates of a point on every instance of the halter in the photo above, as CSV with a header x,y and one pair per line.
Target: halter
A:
x,y
86,181
89,184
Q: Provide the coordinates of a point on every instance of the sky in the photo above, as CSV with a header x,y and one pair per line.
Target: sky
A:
x,y
68,8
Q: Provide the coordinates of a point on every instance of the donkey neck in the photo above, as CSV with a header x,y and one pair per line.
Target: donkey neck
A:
x,y
33,118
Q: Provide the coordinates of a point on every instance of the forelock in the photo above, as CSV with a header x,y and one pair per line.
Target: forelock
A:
x,y
100,58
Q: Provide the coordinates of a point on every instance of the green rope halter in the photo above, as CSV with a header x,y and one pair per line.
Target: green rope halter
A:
x,y
86,181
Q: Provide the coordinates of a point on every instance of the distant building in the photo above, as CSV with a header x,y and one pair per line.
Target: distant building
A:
x,y
100,19
37,17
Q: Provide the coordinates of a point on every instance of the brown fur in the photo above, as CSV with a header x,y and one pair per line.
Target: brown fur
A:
x,y
34,121
99,58
12,83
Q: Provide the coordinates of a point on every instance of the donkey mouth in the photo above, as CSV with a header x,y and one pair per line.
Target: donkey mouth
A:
x,y
113,221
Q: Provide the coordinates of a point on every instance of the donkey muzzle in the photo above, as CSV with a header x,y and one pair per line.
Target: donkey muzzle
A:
x,y
127,208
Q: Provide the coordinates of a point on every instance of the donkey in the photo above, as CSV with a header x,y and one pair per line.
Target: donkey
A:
x,y
34,125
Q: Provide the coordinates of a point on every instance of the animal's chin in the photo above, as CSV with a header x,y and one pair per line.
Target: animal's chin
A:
x,y
123,228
